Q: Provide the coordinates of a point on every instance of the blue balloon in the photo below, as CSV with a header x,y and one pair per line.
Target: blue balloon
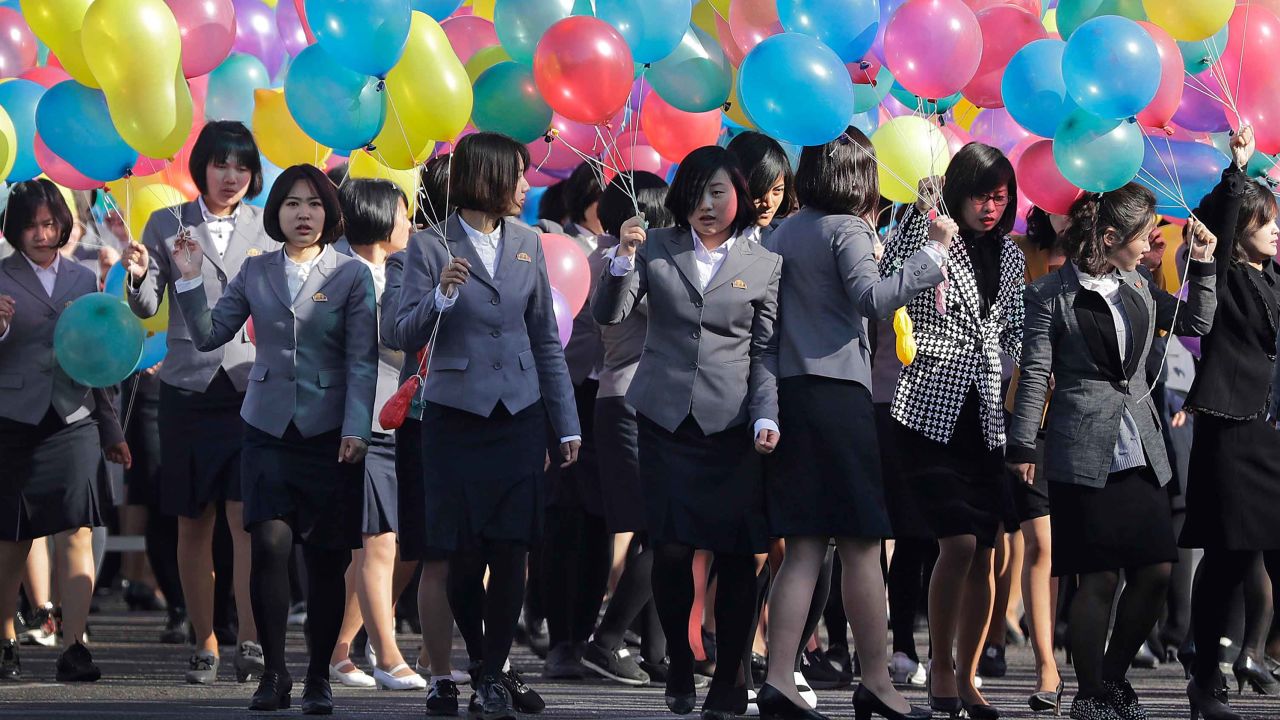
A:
x,y
231,86
437,9
1198,55
335,106
532,199
154,349
270,171
1033,90
97,340
73,120
113,283
846,26
367,36
1180,173
1097,154
652,28
1111,67
520,24
922,105
796,89
19,98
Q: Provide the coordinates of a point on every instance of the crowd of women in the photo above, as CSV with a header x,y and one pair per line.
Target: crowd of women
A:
x,y
729,434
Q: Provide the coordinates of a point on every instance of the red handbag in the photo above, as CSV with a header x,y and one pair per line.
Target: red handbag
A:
x,y
396,409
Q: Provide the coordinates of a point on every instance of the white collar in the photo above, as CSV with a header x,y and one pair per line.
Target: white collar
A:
x,y
210,217
724,249
369,264
53,267
1105,285
309,264
475,234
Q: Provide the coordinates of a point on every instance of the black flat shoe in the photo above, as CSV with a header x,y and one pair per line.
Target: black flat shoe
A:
x,y
76,665
867,703
776,706
1046,701
272,693
681,703
317,697
10,665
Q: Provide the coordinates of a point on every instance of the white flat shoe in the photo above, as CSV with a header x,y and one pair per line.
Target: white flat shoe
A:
x,y
460,677
356,678
388,680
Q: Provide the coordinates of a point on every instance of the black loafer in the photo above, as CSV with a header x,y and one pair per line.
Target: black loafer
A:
x,y
317,697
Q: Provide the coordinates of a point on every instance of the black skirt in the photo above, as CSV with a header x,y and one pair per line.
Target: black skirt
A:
x,y
704,491
824,479
1233,486
905,516
201,434
48,477
142,480
1127,523
577,486
960,485
381,504
483,475
411,497
616,434
299,480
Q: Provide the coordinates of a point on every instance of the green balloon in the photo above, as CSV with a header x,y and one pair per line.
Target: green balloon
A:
x,y
507,101
695,77
927,107
866,97
97,340
1073,13
1198,55
1097,154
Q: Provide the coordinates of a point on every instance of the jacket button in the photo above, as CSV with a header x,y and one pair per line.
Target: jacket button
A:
x,y
289,377
494,301
695,334
1124,384
697,303
496,333
288,346
693,366
497,366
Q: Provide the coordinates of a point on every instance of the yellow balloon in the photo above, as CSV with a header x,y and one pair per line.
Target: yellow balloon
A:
x,y
704,17
904,331
484,59
965,113
1169,267
8,144
278,134
908,149
269,3
1189,21
428,97
363,165
1050,21
58,24
483,8
736,112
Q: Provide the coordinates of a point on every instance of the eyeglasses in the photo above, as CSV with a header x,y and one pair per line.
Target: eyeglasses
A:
x,y
1000,200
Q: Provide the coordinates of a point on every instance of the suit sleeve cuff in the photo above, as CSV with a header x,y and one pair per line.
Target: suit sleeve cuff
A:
x,y
570,438
356,437
1203,268
765,424
180,285
444,302
1016,454
619,265
936,253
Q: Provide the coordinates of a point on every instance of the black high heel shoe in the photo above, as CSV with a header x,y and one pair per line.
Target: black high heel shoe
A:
x,y
1248,671
980,712
1187,656
725,702
1212,704
273,692
867,703
949,705
776,706
1046,701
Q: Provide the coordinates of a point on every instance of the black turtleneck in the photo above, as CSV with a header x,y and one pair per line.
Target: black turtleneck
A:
x,y
984,253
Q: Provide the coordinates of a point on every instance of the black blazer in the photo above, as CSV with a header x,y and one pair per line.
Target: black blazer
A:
x,y
1237,358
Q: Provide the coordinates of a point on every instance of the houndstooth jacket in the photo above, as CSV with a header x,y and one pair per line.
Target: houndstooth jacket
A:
x,y
959,349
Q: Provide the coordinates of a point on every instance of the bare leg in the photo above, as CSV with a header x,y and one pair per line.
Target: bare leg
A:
x,y
436,617
1007,566
621,542
13,556
76,572
948,583
36,574
974,619
864,600
195,547
1015,602
243,553
703,598
1039,595
351,616
373,588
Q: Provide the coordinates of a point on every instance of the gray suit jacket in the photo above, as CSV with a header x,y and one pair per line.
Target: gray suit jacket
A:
x,y
1070,334
830,286
317,364
709,354
390,360
498,342
31,380
185,366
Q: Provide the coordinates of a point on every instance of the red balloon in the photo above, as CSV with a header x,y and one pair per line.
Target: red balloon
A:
x,y
47,76
1249,64
675,133
1169,96
751,21
300,6
567,269
60,171
1005,30
208,30
732,50
933,47
583,69
865,71
1041,181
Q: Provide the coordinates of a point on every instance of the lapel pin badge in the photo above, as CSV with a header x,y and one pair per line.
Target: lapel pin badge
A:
x,y
524,257
738,284
320,297
254,252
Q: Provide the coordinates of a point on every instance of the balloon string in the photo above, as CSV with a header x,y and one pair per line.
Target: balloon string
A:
x,y
627,179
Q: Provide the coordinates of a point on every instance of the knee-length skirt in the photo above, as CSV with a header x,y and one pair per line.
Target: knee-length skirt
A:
x,y
616,434
1126,523
381,487
1233,485
48,477
201,435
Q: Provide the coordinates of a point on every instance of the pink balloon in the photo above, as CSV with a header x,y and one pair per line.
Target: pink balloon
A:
x,y
564,316
208,29
60,171
1031,6
865,71
1169,96
751,21
583,69
675,133
48,76
1041,181
559,153
732,50
933,47
1248,65
996,127
256,33
956,137
468,35
567,269
18,49
293,32
1005,30
540,179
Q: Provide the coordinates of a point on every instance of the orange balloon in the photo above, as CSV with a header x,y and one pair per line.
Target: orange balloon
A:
x,y
675,133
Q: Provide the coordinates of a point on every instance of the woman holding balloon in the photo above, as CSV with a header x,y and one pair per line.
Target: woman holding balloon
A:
x,y
53,429
947,405
201,392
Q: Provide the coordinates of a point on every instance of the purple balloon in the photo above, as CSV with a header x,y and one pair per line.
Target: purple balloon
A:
x,y
996,127
1200,111
256,33
887,9
289,25
564,317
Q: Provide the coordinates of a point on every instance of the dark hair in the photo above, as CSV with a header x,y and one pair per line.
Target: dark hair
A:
x,y
840,177
1256,209
1040,232
338,173
223,141
551,205
694,174
369,209
579,191
25,200
323,187
976,170
1128,210
486,170
616,206
763,160
433,206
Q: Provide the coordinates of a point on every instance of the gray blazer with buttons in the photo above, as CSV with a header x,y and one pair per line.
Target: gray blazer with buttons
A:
x,y
498,342
317,364
390,360
830,286
1070,334
31,380
710,354
185,366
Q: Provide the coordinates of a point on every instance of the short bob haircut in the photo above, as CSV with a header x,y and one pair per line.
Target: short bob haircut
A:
x,y
1256,209
225,141
976,170
694,174
580,190
616,206
763,160
486,171
434,205
369,209
323,187
841,177
25,200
